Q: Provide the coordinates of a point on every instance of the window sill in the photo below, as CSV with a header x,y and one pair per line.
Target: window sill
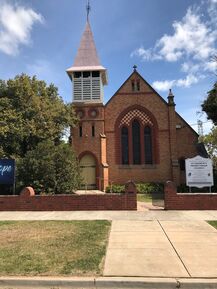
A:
x,y
134,167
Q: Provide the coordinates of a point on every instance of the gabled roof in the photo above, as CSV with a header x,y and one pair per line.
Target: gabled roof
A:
x,y
137,73
87,58
163,100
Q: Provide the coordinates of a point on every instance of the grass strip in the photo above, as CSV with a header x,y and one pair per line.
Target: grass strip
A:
x,y
144,198
213,223
53,248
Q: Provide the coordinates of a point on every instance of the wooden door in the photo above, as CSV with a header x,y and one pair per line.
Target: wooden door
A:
x,y
88,172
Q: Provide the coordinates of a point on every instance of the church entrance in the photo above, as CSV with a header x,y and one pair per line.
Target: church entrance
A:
x,y
88,172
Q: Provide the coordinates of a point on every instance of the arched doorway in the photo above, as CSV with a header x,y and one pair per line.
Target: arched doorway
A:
x,y
88,172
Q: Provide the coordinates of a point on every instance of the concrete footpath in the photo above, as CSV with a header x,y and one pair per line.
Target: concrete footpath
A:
x,y
160,215
151,249
180,249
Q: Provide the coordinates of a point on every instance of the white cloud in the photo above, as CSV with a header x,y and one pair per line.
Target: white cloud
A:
x,y
190,67
191,37
212,10
146,54
193,42
211,66
167,84
163,85
187,82
15,27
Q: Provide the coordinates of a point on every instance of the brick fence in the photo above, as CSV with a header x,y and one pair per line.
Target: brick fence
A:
x,y
28,201
188,201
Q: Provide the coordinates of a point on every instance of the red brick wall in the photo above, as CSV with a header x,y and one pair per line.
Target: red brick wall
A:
x,y
148,99
87,142
69,202
187,201
121,101
170,145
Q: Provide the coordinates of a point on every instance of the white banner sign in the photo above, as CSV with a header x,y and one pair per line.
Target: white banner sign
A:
x,y
199,172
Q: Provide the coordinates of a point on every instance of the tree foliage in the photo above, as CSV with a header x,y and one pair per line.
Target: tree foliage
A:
x,y
30,112
33,118
210,141
49,169
210,107
210,104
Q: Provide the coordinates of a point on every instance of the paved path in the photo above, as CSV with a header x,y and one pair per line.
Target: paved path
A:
x,y
146,206
89,192
111,215
161,244
162,249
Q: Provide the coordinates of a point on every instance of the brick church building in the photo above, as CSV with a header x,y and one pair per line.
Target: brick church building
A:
x,y
136,135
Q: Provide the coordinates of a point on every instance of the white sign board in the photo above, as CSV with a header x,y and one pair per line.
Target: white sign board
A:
x,y
199,172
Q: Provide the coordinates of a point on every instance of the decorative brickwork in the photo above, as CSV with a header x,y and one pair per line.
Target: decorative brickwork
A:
x,y
144,117
188,201
135,113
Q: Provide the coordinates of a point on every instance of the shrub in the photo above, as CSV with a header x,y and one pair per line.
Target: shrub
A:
x,y
142,188
149,188
49,169
118,189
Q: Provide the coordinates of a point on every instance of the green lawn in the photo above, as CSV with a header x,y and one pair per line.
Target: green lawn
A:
x,y
53,247
213,223
144,198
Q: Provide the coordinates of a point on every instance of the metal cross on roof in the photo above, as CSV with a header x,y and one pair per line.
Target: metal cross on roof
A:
x,y
134,67
88,9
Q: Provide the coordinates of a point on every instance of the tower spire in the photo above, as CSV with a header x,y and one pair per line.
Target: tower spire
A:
x,y
87,74
88,8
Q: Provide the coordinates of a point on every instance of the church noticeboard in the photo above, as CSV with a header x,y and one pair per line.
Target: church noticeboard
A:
x,y
199,172
7,171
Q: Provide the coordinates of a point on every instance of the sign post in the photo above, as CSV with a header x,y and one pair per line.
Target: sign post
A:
x,y
7,172
199,172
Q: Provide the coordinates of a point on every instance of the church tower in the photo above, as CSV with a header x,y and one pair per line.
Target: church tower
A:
x,y
87,74
88,78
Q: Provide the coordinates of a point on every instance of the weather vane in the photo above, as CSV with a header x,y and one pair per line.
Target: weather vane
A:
x,y
88,9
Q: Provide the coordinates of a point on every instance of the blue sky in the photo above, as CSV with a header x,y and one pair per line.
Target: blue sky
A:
x,y
171,41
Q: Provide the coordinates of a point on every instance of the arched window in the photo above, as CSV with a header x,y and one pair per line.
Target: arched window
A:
x,y
125,146
136,137
148,145
136,143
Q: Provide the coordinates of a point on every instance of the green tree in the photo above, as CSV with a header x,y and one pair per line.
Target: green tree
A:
x,y
30,112
210,104
210,141
49,169
33,120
